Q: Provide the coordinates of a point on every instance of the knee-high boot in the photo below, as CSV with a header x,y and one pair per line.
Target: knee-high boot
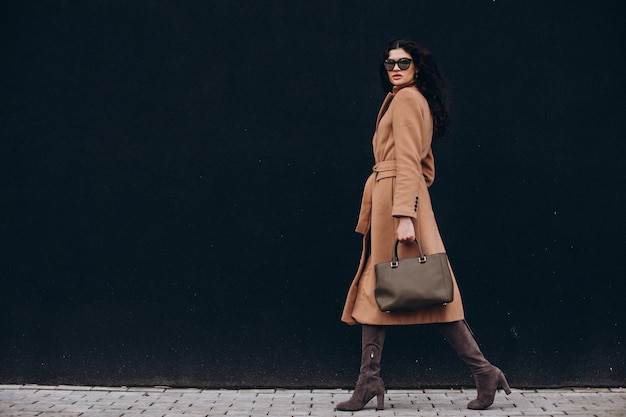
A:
x,y
370,383
486,376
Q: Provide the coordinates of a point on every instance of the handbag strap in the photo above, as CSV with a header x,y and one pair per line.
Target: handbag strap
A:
x,y
395,260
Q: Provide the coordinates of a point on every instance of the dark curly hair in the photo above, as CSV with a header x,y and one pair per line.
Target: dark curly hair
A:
x,y
429,82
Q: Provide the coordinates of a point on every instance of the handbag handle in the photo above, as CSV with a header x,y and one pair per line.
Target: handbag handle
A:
x,y
394,259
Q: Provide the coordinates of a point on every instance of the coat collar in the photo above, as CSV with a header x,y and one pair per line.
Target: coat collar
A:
x,y
388,99
397,88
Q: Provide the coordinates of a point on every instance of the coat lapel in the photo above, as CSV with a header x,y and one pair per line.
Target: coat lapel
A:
x,y
383,108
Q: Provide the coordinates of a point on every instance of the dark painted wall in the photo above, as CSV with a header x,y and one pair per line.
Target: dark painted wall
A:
x,y
180,184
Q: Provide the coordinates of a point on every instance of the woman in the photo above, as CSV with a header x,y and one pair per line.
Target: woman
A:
x,y
396,205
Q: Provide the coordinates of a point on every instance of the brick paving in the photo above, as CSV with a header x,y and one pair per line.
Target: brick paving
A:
x,y
79,401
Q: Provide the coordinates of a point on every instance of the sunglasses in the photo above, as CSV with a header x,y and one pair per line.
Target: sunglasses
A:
x,y
403,63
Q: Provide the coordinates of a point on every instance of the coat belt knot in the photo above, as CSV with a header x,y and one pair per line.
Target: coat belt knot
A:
x,y
383,169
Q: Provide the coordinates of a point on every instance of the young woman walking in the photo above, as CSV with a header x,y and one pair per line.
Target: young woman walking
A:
x,y
396,205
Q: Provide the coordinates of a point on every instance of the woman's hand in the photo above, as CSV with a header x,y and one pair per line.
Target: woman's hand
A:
x,y
405,232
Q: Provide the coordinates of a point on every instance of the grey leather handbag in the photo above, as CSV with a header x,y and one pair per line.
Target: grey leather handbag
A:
x,y
413,283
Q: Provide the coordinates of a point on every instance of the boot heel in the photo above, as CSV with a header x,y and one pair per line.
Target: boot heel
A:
x,y
505,384
380,401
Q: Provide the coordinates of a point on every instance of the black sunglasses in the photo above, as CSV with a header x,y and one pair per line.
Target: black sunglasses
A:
x,y
403,63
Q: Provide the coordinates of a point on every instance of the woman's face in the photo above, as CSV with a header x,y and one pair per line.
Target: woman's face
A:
x,y
398,76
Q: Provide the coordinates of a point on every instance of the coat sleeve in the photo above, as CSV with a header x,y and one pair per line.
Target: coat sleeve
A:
x,y
408,125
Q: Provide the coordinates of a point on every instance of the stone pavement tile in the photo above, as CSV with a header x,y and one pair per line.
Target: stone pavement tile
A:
x,y
73,388
146,389
110,389
10,413
185,390
39,387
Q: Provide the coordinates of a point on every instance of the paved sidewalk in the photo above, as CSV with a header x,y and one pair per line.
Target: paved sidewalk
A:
x,y
78,401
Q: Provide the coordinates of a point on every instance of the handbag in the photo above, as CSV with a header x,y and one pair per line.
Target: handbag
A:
x,y
413,283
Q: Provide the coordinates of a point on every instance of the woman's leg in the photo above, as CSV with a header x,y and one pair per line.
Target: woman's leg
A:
x,y
370,383
486,376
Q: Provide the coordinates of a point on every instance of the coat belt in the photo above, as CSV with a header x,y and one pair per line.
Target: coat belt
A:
x,y
383,169
385,166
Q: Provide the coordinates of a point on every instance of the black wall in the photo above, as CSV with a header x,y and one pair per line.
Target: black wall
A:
x,y
181,180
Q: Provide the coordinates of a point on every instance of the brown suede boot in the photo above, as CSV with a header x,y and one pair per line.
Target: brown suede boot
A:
x,y
486,376
369,383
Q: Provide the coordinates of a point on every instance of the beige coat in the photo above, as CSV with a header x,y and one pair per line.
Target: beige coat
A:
x,y
404,169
